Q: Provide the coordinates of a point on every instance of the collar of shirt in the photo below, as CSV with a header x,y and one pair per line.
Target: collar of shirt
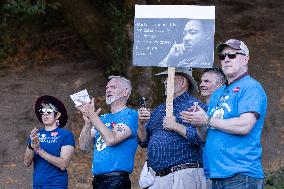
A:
x,y
182,97
238,78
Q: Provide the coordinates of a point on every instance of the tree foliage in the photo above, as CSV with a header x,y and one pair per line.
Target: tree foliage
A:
x,y
13,14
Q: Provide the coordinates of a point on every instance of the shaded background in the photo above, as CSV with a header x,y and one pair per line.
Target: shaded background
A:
x,y
59,47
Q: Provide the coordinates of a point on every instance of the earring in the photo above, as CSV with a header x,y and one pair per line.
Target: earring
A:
x,y
57,123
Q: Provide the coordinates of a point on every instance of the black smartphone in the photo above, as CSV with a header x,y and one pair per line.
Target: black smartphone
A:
x,y
142,102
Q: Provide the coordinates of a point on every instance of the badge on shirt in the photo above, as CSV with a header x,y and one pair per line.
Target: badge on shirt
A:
x,y
236,89
54,133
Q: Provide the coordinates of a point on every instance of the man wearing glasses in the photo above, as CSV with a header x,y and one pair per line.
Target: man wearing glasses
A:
x,y
174,147
234,123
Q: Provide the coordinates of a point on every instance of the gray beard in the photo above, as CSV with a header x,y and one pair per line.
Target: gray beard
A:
x,y
110,100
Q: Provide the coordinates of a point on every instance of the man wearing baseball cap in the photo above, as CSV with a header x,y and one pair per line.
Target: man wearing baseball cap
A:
x,y
234,122
174,148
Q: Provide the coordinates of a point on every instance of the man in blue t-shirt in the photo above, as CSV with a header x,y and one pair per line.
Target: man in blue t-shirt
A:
x,y
114,136
234,122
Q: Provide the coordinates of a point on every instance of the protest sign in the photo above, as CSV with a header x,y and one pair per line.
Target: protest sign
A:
x,y
174,36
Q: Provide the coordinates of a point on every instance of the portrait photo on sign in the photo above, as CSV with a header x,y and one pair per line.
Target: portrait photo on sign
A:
x,y
174,42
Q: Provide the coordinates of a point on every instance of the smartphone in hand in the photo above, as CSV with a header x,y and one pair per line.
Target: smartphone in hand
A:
x,y
142,102
195,106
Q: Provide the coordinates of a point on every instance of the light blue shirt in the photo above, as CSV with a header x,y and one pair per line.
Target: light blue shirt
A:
x,y
229,154
121,156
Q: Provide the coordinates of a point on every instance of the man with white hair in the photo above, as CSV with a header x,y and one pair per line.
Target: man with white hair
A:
x,y
114,136
234,121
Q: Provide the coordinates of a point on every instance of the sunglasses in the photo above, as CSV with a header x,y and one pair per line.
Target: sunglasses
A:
x,y
222,56
45,111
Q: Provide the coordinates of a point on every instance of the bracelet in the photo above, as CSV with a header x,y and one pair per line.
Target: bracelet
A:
x,y
39,152
30,146
208,122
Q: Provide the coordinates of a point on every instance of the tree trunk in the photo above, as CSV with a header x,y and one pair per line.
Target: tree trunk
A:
x,y
89,24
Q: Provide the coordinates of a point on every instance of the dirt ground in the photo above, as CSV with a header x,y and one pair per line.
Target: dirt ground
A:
x,y
19,90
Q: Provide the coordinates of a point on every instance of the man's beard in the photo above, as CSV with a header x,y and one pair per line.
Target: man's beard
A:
x,y
111,99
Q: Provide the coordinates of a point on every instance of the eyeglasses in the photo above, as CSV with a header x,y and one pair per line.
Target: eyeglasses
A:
x,y
45,111
222,56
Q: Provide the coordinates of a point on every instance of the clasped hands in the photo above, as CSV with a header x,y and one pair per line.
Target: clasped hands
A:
x,y
88,110
195,116
35,144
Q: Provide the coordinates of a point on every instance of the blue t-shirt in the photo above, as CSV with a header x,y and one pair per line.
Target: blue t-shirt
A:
x,y
229,154
45,174
121,156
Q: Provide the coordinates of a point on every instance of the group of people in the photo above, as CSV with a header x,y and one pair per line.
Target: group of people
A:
x,y
211,144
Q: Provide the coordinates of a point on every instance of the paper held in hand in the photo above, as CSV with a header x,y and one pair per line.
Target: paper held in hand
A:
x,y
81,95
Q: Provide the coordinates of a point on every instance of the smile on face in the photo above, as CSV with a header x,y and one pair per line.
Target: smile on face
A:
x,y
209,83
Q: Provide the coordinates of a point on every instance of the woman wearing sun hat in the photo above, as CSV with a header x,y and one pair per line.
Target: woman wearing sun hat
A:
x,y
50,148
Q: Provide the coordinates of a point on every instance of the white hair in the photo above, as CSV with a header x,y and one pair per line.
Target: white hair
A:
x,y
125,82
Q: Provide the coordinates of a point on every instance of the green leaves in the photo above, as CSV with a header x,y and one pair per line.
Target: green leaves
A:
x,y
25,6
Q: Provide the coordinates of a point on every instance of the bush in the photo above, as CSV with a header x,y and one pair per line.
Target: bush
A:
x,y
275,180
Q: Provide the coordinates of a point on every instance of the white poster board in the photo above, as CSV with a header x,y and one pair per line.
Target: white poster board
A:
x,y
174,36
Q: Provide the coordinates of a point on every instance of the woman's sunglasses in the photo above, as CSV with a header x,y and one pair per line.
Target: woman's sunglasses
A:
x,y
222,56
46,111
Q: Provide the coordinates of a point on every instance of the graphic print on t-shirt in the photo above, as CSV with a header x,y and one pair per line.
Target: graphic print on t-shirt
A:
x,y
218,112
48,139
100,143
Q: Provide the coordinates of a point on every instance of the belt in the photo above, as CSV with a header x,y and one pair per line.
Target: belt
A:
x,y
167,171
114,173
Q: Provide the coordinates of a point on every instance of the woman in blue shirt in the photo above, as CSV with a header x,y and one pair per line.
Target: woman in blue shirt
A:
x,y
50,148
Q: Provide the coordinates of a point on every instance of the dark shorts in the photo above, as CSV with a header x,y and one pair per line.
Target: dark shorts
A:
x,y
113,180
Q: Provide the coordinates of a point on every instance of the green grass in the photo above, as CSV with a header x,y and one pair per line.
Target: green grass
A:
x,y
275,180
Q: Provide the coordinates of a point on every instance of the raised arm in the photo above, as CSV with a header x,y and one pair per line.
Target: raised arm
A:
x,y
144,116
29,155
119,133
87,135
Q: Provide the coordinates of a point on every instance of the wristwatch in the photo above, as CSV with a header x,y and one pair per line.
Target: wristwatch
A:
x,y
209,126
30,146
